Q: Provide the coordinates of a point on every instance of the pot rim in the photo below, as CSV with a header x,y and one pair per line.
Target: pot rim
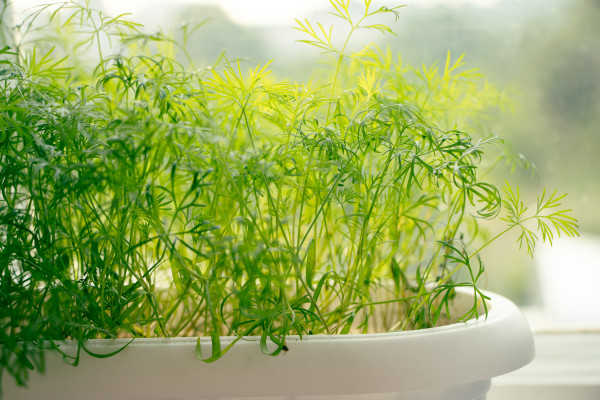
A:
x,y
167,368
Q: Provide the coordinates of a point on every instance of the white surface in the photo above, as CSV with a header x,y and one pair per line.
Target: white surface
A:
x,y
566,366
413,362
569,272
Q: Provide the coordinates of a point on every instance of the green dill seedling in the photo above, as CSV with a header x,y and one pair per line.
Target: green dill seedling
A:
x,y
142,195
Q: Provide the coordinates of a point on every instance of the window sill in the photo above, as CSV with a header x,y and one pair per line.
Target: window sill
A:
x,y
566,366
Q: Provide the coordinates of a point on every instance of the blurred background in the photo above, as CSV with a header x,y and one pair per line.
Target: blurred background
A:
x,y
545,54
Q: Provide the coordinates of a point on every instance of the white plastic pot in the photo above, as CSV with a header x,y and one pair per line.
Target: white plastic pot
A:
x,y
453,362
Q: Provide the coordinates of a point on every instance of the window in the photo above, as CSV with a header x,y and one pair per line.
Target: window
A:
x,y
545,55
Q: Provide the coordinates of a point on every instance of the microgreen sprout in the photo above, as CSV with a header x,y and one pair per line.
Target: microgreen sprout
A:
x,y
144,197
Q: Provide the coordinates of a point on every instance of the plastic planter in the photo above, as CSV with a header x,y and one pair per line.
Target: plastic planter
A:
x,y
451,362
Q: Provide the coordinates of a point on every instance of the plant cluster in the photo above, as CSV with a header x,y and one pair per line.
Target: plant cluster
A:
x,y
146,196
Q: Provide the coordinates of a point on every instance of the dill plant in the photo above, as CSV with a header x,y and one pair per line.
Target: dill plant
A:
x,y
144,196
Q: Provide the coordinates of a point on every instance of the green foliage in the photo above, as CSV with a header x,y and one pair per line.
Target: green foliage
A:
x,y
143,198
550,219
